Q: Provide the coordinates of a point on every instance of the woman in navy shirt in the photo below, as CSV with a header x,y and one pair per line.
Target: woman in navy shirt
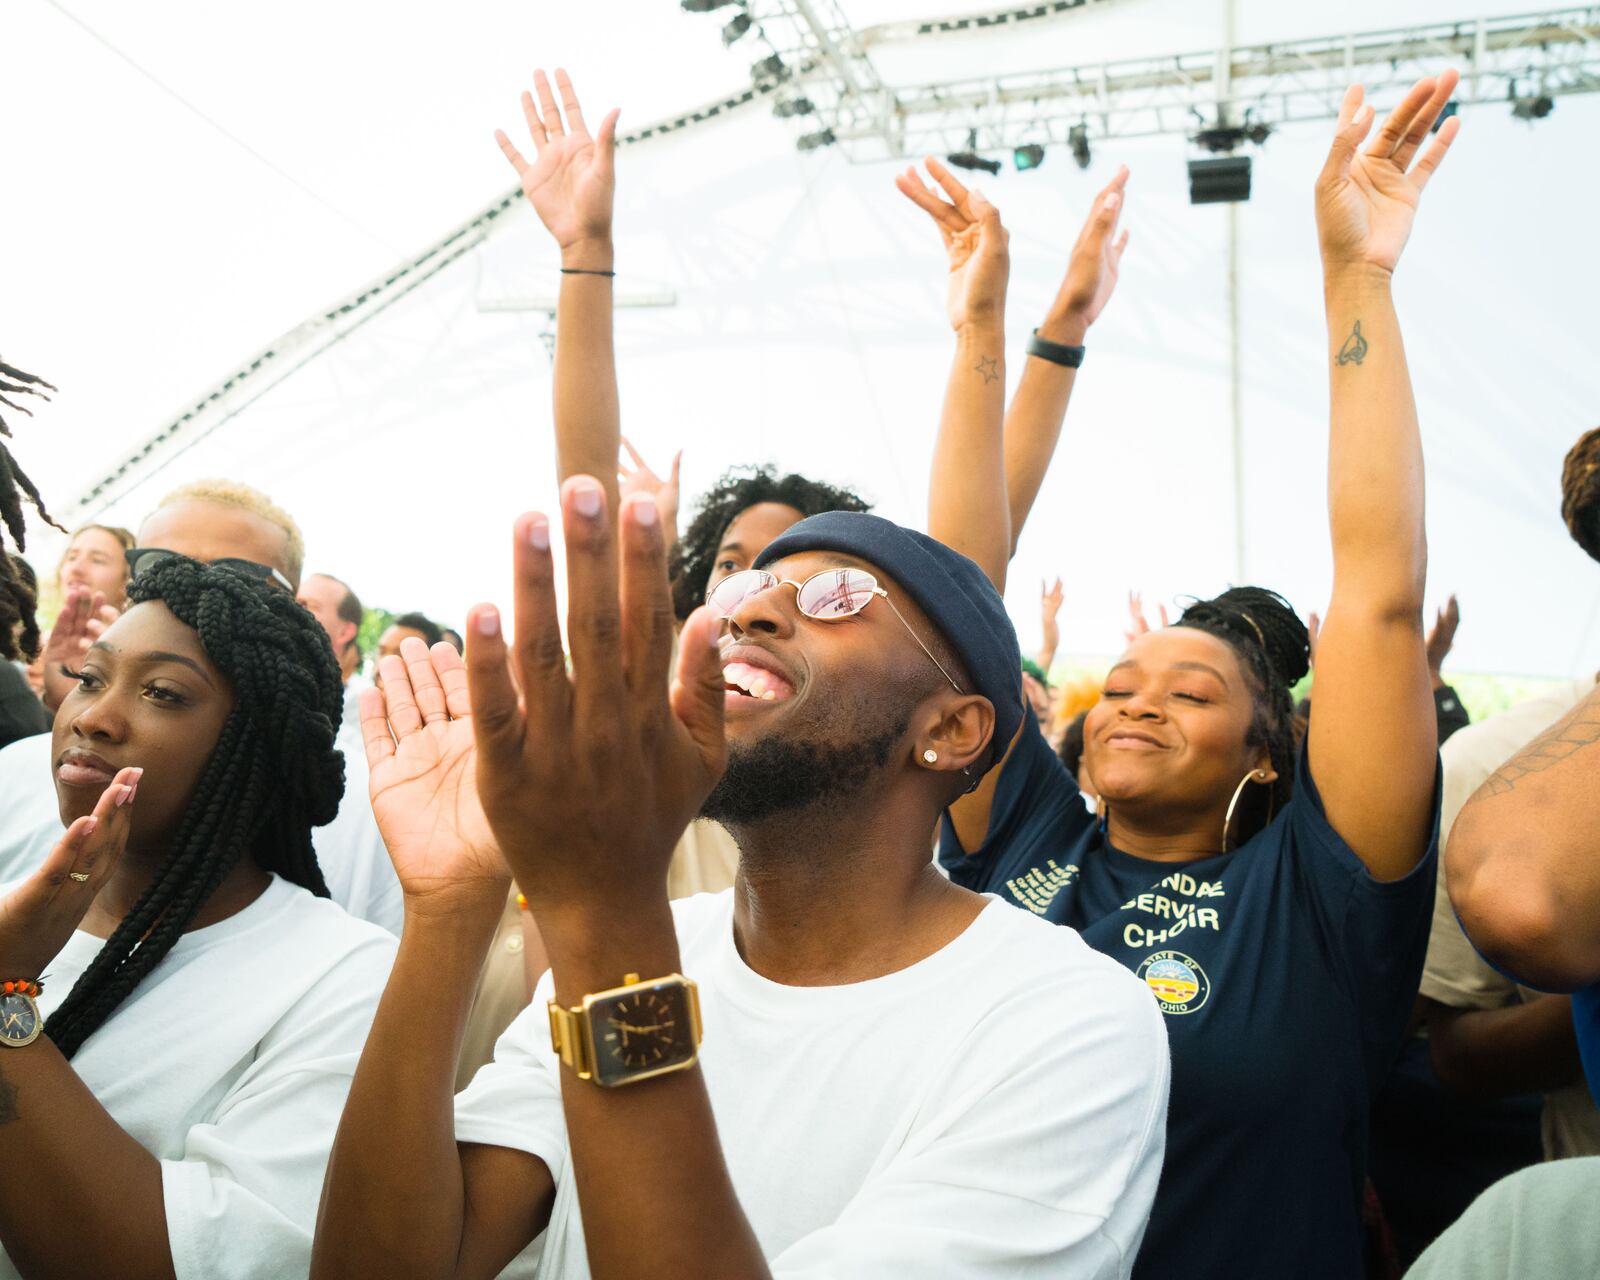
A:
x,y
1277,907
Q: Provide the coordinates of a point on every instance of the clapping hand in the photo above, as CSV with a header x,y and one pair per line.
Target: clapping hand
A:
x,y
591,777
1442,637
572,180
977,245
38,917
83,619
1367,198
1050,597
1138,624
1093,268
417,730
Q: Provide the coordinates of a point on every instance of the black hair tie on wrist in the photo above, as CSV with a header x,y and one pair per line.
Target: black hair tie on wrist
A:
x,y
585,271
1055,352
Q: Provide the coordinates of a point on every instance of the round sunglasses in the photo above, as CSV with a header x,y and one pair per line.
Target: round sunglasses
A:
x,y
826,596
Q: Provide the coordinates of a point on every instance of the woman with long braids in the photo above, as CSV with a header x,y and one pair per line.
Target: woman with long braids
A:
x,y
169,1098
1275,902
20,712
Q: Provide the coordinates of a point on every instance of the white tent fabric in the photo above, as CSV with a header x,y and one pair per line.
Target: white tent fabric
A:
x,y
148,253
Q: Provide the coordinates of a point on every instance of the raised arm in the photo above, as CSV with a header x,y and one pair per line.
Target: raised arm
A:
x,y
571,185
401,1199
1039,407
1522,862
1372,739
966,495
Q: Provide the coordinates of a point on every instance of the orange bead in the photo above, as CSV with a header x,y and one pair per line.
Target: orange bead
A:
x,y
10,987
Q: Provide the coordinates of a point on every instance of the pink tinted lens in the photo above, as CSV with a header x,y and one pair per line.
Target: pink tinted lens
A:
x,y
735,589
836,593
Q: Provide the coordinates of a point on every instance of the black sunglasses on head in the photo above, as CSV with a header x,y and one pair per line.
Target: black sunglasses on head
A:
x,y
144,559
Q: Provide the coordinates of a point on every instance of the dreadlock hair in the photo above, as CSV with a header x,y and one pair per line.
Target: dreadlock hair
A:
x,y
1274,649
272,777
19,630
1580,492
694,557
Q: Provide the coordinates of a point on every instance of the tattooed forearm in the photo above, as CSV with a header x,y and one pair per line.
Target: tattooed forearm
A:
x,y
1354,350
8,1101
988,368
1580,728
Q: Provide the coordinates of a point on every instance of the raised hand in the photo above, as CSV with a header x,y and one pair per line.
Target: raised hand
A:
x,y
83,619
1367,197
1050,597
1138,624
418,734
572,180
1442,636
639,478
1093,268
37,918
591,779
977,244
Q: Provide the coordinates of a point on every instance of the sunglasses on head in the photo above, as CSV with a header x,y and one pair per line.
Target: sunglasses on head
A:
x,y
144,559
826,596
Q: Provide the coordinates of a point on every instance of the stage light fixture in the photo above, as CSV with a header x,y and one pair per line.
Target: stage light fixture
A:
x,y
737,26
1536,108
793,107
1028,156
973,161
706,6
768,72
813,141
1223,180
1078,140
1450,109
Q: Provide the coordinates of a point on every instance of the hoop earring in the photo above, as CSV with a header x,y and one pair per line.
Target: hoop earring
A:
x,y
1255,775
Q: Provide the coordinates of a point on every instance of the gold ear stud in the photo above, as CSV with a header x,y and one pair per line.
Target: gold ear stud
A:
x,y
931,756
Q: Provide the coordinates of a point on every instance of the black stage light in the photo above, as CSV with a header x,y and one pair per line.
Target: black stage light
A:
x,y
1028,156
793,107
1450,108
1533,108
736,28
706,6
1224,180
769,71
972,160
811,141
1078,140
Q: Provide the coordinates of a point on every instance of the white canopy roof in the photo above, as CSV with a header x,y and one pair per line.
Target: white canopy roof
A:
x,y
153,244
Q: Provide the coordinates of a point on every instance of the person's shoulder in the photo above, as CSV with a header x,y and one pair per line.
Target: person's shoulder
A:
x,y
701,919
317,931
25,763
1053,962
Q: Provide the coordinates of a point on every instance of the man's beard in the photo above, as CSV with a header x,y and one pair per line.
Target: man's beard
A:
x,y
782,773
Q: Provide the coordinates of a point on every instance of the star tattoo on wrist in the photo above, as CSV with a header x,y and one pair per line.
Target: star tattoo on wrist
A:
x,y
988,368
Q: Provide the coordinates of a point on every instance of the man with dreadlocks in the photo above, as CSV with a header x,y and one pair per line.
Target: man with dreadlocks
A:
x,y
1275,903
169,1099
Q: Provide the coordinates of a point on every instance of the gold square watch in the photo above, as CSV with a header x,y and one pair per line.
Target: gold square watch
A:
x,y
630,1033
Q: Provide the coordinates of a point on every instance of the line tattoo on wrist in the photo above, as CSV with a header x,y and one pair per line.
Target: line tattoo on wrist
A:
x,y
988,368
1354,350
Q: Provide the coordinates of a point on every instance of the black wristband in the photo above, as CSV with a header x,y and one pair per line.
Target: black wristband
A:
x,y
585,271
1055,352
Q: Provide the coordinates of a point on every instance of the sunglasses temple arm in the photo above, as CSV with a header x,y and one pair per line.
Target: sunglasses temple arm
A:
x,y
918,639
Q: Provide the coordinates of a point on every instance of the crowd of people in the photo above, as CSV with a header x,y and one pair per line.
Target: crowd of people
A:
x,y
776,915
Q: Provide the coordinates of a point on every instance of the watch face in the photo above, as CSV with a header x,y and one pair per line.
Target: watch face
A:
x,y
19,1020
641,1033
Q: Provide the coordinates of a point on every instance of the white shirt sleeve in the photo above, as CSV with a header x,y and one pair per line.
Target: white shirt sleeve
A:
x,y
515,1100
1042,1166
354,860
242,1202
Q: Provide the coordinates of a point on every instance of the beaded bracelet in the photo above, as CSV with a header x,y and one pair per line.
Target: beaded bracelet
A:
x,y
22,987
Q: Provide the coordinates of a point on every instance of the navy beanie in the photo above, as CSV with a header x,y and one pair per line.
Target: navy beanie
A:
x,y
951,590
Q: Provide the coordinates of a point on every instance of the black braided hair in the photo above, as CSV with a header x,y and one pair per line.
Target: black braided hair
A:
x,y
1274,649
19,631
1580,492
426,627
695,555
272,777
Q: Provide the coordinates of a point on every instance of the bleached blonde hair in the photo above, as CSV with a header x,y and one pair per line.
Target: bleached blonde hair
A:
x,y
231,493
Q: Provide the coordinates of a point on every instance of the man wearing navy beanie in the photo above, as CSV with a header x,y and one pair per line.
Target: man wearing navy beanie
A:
x,y
897,1076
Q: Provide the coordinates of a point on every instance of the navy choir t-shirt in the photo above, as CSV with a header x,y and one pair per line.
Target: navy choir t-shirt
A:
x,y
1287,975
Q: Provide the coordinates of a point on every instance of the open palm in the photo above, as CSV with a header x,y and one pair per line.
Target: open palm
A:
x,y
1367,199
424,773
572,180
976,242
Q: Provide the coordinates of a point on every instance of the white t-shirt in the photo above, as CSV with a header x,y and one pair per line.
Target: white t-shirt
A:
x,y
351,852
998,1109
230,1063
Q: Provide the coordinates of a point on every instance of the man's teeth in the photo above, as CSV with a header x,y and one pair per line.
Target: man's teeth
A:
x,y
751,680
